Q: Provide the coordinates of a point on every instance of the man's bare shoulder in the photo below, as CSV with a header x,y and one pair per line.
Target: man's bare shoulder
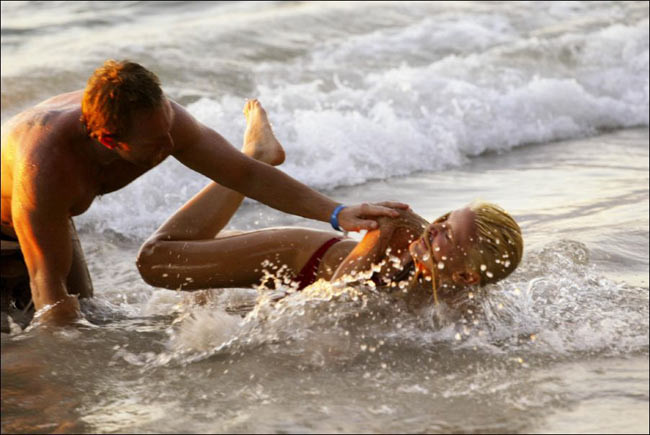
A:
x,y
44,149
43,113
55,116
62,100
41,133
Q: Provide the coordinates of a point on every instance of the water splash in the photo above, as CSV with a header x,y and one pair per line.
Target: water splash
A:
x,y
556,304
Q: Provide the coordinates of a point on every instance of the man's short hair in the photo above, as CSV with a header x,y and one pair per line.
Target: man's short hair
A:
x,y
114,92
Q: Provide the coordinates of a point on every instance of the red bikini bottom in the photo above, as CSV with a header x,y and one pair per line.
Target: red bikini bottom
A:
x,y
307,275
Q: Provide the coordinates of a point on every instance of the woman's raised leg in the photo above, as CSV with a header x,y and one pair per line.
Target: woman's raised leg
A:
x,y
188,252
210,210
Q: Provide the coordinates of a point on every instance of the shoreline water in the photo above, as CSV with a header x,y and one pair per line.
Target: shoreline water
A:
x,y
590,360
594,361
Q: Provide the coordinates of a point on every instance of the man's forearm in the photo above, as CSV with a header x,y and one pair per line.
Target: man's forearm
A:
x,y
214,157
276,189
47,290
62,308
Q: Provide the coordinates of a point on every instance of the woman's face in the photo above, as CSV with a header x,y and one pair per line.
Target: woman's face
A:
x,y
451,237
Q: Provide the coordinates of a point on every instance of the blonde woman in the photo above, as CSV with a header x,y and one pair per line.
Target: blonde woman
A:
x,y
474,245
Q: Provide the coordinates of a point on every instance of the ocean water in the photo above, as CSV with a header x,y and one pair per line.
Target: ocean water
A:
x,y
540,107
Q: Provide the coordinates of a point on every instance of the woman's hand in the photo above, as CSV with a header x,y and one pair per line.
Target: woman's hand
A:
x,y
363,216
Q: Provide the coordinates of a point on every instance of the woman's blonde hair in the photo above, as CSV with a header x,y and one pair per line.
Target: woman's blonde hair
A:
x,y
499,247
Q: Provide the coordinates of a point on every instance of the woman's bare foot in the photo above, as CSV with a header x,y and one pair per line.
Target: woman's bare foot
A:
x,y
259,141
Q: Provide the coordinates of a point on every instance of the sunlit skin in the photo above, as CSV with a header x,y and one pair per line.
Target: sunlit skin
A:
x,y
52,170
451,236
190,251
149,141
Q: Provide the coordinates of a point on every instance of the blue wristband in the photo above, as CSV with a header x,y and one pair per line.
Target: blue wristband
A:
x,y
334,219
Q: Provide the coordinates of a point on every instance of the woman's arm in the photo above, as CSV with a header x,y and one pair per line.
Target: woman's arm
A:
x,y
373,249
367,252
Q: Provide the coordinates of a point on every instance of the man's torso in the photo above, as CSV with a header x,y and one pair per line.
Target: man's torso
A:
x,y
50,138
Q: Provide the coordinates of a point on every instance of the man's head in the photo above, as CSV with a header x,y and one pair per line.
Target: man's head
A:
x,y
476,245
124,108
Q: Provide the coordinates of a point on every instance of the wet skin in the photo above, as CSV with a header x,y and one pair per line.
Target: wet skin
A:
x,y
52,170
450,236
149,142
190,251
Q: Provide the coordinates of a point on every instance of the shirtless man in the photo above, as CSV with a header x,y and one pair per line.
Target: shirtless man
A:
x,y
59,155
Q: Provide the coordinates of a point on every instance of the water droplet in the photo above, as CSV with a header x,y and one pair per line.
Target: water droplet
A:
x,y
483,267
489,274
441,265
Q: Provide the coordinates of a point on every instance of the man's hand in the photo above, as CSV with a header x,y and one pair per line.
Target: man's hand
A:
x,y
360,217
62,313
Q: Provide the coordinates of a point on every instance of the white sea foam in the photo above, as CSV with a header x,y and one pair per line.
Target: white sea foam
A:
x,y
556,303
402,90
405,118
408,118
412,118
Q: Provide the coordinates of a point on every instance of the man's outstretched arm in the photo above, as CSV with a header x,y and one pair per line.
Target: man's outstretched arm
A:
x,y
206,151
